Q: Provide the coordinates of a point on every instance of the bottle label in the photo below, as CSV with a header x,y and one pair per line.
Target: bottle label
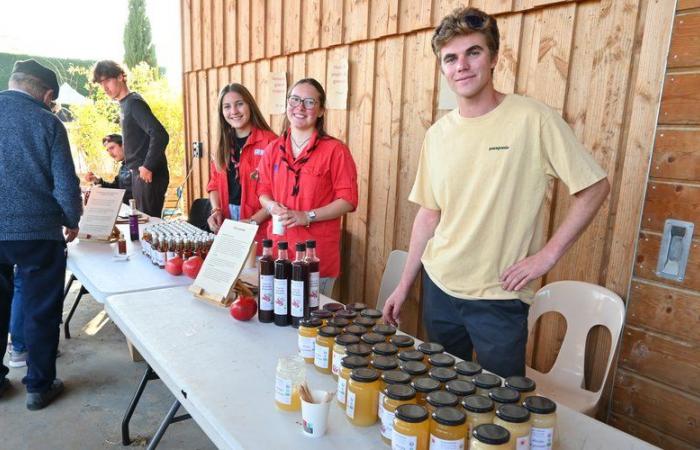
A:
x,y
387,423
444,444
342,387
297,298
280,297
162,258
402,442
283,391
541,438
314,295
267,292
171,255
522,443
350,405
321,356
335,363
307,347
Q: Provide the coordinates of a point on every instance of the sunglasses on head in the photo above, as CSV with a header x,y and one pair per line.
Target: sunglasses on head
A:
x,y
472,20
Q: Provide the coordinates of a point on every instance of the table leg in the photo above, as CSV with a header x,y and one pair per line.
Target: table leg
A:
x,y
68,285
147,376
66,330
169,418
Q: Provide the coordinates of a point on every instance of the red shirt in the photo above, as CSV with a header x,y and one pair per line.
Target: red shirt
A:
x,y
326,172
251,154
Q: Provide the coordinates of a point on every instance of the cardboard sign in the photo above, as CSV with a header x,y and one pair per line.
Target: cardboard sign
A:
x,y
338,84
100,213
277,96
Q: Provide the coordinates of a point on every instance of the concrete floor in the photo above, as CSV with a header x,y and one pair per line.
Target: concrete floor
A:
x,y
100,379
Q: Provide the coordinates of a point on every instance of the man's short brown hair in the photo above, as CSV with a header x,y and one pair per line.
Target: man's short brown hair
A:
x,y
106,69
463,21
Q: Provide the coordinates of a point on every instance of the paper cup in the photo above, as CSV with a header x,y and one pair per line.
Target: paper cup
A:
x,y
314,416
277,227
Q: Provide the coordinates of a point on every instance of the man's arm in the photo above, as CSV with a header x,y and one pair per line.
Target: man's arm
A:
x,y
584,206
423,229
158,137
66,185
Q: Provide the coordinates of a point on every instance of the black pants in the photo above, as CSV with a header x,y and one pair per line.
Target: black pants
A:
x,y
150,196
42,266
496,329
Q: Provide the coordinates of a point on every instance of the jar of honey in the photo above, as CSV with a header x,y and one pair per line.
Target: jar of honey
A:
x,y
324,344
290,374
357,307
308,331
385,349
371,313
490,437
414,368
479,410
385,330
347,364
402,342
411,355
393,396
364,322
341,342
460,388
338,322
357,330
524,385
362,396
430,348
333,307
467,369
411,428
384,363
503,395
515,419
372,339
441,360
346,314
543,416
388,378
322,314
440,399
442,374
484,382
360,349
448,429
423,387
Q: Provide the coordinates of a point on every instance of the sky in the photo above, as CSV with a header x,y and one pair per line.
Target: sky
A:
x,y
88,29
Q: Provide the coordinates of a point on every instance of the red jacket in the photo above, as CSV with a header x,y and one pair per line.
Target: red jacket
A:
x,y
251,153
327,172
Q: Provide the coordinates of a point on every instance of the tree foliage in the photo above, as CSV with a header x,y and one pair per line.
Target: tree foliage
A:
x,y
138,47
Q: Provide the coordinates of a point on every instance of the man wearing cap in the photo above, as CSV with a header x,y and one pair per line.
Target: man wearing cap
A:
x,y
113,145
145,139
40,195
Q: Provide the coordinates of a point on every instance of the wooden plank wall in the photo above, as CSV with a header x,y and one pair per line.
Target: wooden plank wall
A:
x,y
599,63
657,386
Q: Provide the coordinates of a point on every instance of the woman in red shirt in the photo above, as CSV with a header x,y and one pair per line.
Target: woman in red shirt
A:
x,y
243,136
309,179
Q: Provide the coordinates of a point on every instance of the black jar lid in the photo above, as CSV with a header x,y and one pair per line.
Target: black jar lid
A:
x,y
371,313
357,330
364,322
357,307
385,362
411,355
358,350
384,329
372,338
322,314
486,380
338,322
450,416
329,331
385,349
443,374
400,392
354,362
540,405
396,377
364,374
425,384
414,368
346,314
477,403
402,340
489,433
520,384
411,413
504,395
333,306
441,360
430,348
346,339
513,413
468,368
442,398
460,387
312,322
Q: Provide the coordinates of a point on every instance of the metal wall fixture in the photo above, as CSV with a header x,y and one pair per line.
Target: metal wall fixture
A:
x,y
675,248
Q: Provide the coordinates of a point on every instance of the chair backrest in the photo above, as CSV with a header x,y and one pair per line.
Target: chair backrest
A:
x,y
583,305
199,213
392,275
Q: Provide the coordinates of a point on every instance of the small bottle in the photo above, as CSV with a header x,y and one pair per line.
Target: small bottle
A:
x,y
515,419
313,264
162,251
283,271
266,282
340,350
299,297
479,410
121,244
325,341
155,242
133,221
308,331
392,397
172,247
347,364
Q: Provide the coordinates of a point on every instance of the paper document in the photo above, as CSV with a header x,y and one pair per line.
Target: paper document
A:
x,y
100,213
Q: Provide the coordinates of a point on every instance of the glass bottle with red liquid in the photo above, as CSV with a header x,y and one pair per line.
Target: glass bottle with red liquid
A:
x,y
266,283
313,263
300,286
283,275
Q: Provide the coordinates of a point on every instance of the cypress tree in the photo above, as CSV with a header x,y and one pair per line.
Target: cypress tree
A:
x,y
137,36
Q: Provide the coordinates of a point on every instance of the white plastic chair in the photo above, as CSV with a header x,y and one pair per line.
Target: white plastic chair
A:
x,y
584,306
391,276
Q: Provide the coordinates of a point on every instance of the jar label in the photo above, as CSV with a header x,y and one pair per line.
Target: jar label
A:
x,y
314,296
307,347
350,405
280,297
267,292
297,298
387,423
321,357
380,406
541,438
402,442
342,387
283,391
445,444
335,364
522,443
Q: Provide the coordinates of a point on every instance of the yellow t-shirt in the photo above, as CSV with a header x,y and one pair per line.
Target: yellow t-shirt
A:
x,y
488,177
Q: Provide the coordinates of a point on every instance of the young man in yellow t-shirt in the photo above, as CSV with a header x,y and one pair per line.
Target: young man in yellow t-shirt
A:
x,y
481,183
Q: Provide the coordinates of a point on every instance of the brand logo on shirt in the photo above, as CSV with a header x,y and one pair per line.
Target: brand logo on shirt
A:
x,y
275,168
499,148
259,151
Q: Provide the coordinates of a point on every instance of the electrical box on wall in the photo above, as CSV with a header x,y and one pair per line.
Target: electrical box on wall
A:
x,y
197,149
675,248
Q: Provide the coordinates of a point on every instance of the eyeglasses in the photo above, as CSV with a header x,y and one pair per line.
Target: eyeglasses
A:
x,y
293,101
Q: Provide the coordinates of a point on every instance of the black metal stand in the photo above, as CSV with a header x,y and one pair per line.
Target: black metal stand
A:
x,y
169,418
68,285
66,329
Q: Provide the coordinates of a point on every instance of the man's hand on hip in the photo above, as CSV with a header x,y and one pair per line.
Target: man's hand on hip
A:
x,y
70,233
145,174
521,273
